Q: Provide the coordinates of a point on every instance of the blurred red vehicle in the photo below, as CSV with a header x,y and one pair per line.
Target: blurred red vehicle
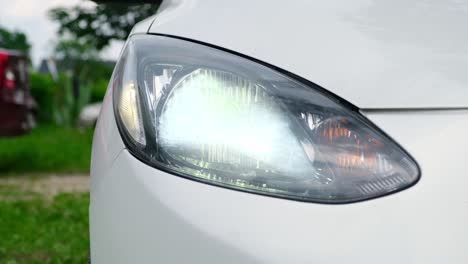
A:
x,y
17,106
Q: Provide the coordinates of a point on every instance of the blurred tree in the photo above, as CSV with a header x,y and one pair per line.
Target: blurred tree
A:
x,y
81,61
100,24
75,49
86,30
14,40
77,56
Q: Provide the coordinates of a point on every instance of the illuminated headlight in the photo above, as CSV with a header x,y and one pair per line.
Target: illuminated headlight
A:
x,y
212,116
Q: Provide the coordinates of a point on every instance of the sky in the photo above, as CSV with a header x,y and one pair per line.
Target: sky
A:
x,y
30,17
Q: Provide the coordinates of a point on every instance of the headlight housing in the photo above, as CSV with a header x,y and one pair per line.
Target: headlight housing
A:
x,y
212,116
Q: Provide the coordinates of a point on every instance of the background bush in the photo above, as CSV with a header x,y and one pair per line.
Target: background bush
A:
x,y
98,90
55,97
43,89
65,108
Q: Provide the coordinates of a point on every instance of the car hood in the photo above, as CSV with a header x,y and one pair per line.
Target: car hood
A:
x,y
376,54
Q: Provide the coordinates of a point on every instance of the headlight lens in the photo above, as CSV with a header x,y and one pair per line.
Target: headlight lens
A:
x,y
209,115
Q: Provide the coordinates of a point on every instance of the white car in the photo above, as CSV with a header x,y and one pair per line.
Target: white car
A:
x,y
286,132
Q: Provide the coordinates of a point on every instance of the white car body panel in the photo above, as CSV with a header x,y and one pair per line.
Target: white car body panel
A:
x,y
139,214
143,26
389,55
375,54
107,143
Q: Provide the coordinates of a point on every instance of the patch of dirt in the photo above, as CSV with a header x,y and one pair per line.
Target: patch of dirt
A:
x,y
47,186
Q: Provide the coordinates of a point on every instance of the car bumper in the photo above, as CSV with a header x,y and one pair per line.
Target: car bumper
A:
x,y
139,214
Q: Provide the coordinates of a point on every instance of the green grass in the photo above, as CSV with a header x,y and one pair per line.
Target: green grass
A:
x,y
35,230
47,149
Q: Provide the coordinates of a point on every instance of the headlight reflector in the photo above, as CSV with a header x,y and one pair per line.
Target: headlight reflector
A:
x,y
215,117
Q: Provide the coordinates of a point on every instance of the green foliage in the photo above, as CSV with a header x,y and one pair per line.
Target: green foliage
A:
x,y
64,111
96,71
98,90
76,56
99,25
14,40
92,75
39,231
43,89
75,49
47,149
55,98
82,61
